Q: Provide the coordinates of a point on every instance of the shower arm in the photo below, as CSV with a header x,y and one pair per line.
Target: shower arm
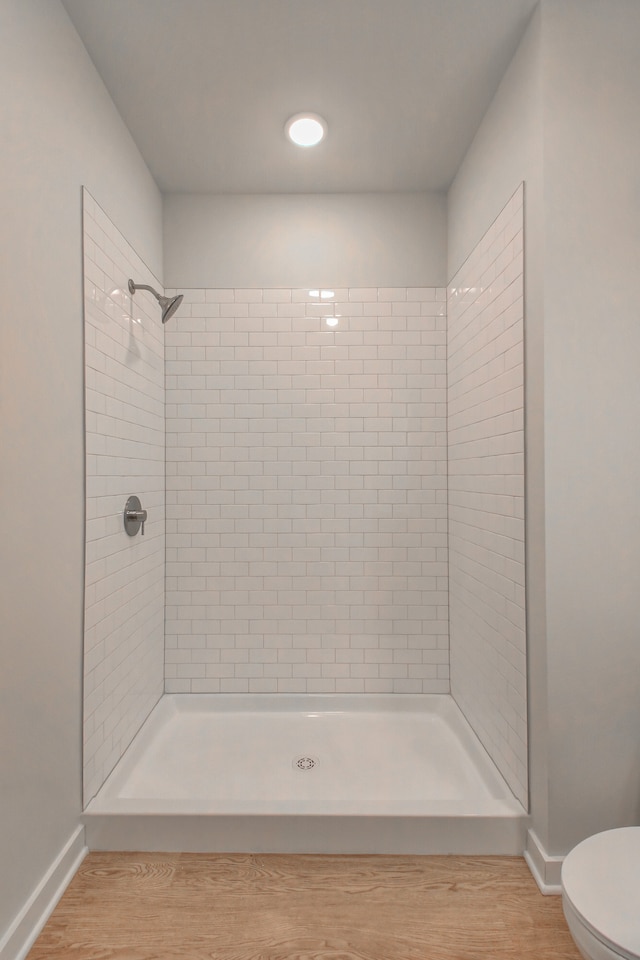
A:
x,y
142,286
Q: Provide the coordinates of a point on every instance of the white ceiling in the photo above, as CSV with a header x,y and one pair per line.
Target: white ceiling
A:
x,y
205,87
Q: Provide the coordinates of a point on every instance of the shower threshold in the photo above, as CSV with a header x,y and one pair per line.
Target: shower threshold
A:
x,y
306,774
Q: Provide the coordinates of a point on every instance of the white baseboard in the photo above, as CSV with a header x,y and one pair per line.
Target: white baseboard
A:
x,y
22,933
545,868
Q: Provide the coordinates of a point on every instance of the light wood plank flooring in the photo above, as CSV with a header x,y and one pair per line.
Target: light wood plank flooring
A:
x,y
127,906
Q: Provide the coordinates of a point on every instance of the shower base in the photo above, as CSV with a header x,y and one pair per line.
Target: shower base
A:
x,y
306,774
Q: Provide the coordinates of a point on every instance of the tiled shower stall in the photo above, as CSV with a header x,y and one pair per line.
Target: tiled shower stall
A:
x,y
344,493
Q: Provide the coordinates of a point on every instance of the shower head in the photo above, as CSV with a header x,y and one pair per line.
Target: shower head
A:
x,y
169,305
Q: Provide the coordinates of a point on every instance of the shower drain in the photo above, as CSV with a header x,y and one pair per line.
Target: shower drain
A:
x,y
305,763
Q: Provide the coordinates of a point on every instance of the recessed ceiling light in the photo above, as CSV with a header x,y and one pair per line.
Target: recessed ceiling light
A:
x,y
306,129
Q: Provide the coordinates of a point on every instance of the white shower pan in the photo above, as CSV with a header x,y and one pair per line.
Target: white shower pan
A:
x,y
306,774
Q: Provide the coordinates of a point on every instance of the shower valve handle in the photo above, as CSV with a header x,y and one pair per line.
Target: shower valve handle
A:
x,y
138,515
134,516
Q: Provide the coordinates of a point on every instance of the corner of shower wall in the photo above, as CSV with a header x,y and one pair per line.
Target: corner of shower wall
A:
x,y
485,308
124,436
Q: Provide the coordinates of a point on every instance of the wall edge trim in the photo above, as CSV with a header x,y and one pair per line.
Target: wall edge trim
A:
x,y
544,867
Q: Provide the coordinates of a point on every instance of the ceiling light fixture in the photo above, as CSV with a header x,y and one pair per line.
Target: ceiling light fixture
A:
x,y
306,129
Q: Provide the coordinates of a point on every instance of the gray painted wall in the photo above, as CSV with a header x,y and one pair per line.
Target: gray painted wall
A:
x,y
562,122
592,413
60,130
303,240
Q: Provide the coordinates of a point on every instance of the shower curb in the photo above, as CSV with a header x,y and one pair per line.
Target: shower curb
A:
x,y
480,836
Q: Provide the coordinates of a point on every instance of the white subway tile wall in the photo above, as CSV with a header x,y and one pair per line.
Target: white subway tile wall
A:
x,y
486,494
124,576
306,491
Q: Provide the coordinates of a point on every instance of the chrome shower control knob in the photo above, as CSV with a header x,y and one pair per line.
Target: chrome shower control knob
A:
x,y
139,515
134,516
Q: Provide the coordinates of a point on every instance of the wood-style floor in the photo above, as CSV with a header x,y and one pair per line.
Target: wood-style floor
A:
x,y
282,907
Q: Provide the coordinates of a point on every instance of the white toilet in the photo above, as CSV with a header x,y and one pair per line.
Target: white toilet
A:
x,y
601,895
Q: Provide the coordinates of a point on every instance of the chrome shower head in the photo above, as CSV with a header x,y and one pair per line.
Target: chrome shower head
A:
x,y
169,305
